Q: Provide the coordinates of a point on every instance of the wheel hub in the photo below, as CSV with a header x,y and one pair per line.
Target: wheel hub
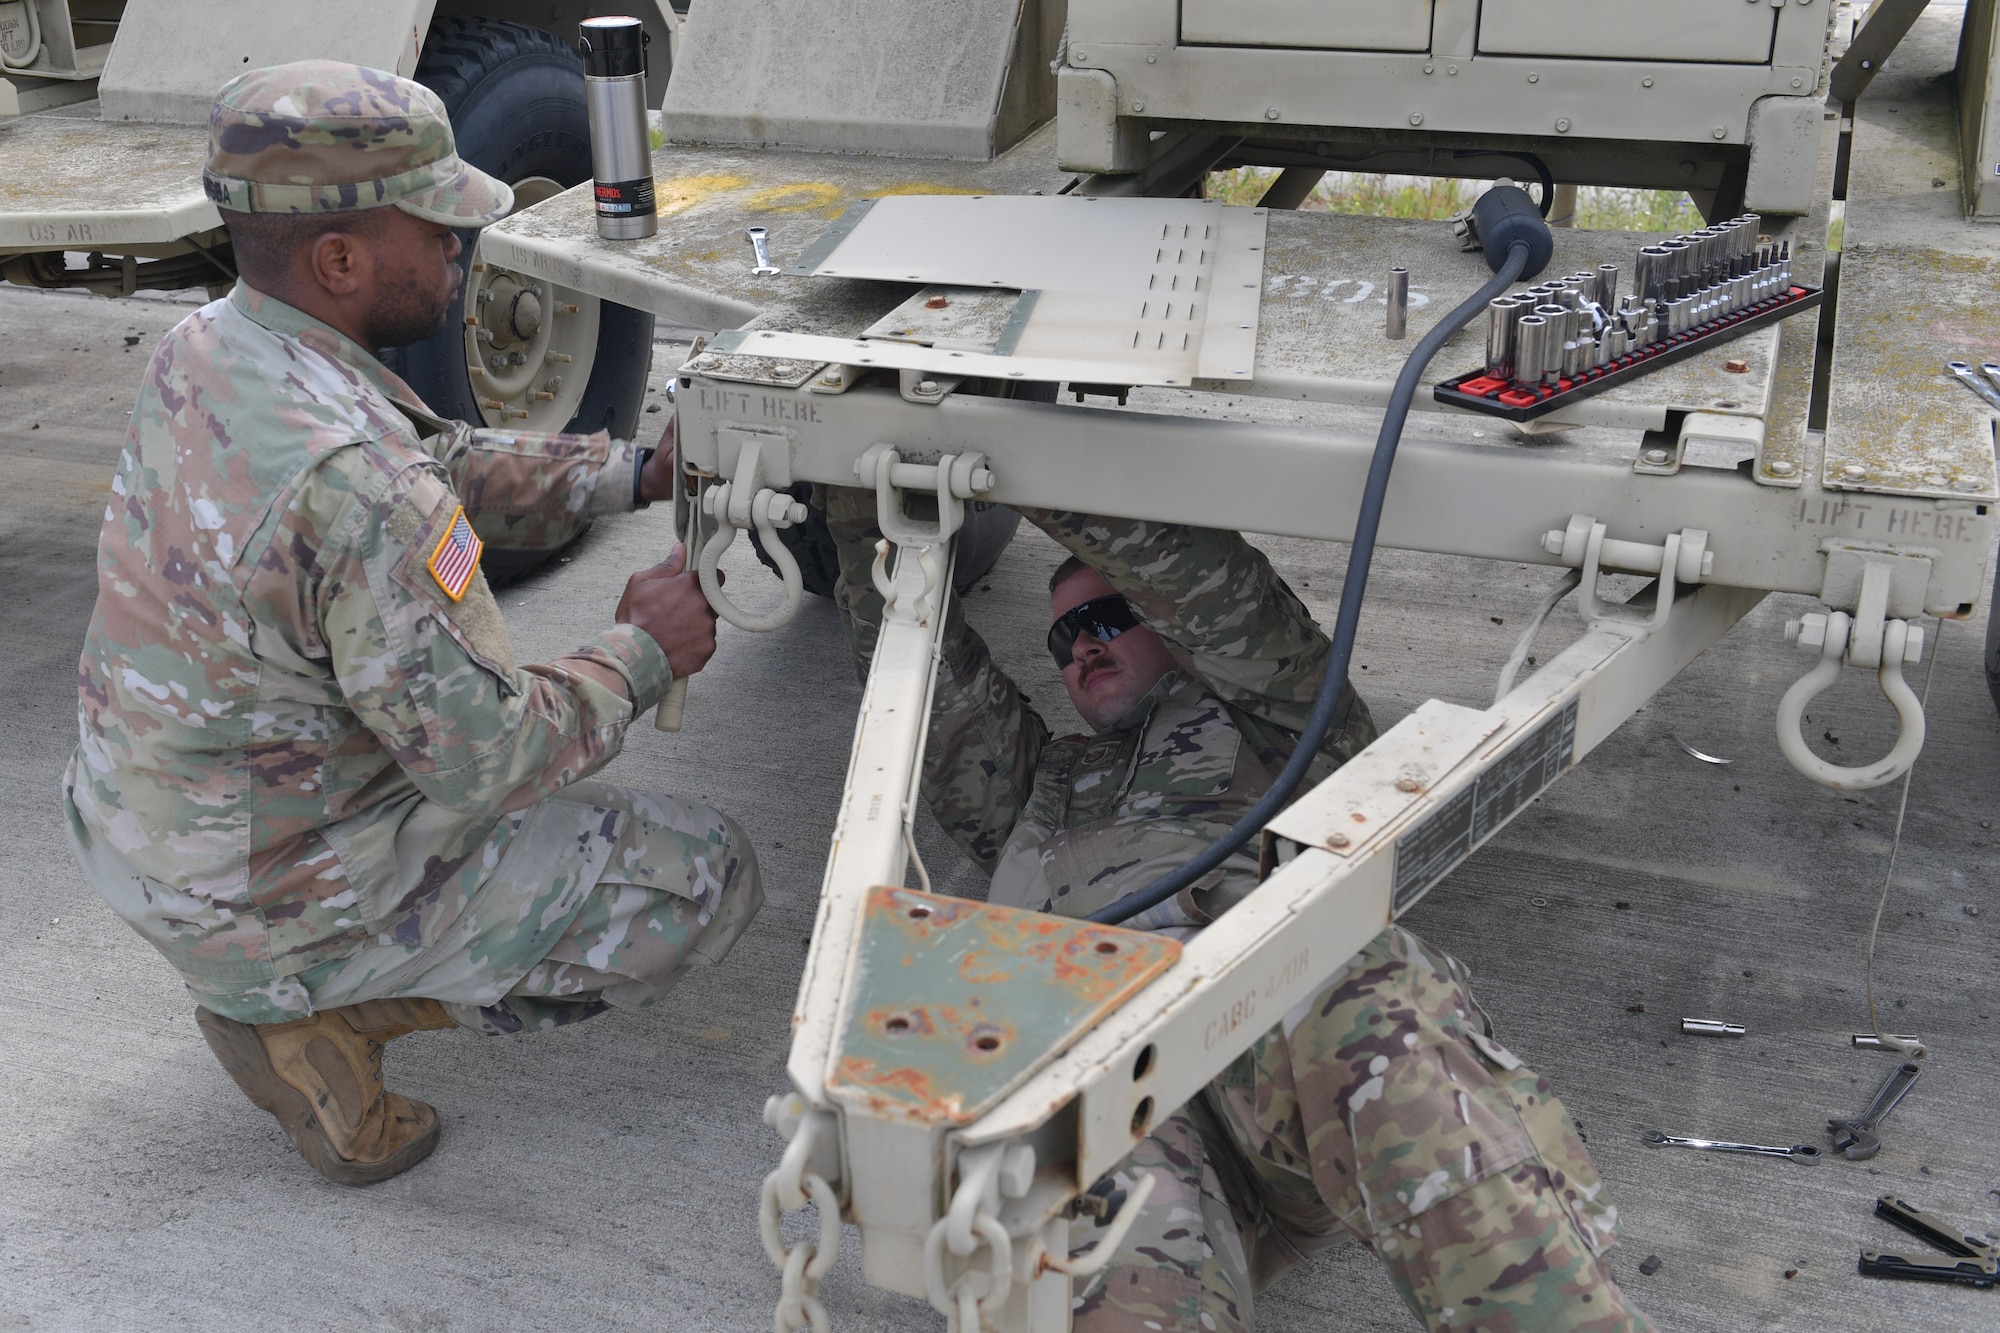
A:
x,y
528,342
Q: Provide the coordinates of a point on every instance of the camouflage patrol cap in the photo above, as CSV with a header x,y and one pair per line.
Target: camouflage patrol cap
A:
x,y
321,136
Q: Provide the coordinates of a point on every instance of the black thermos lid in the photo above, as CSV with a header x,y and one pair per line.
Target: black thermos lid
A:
x,y
613,47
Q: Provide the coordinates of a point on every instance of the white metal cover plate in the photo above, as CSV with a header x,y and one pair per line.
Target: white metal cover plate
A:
x,y
1145,291
1376,787
1325,25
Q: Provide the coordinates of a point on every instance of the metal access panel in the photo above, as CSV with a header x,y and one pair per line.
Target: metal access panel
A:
x,y
1319,25
1728,32
1145,291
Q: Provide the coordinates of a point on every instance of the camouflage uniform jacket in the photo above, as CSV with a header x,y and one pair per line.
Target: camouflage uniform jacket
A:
x,y
280,702
1068,824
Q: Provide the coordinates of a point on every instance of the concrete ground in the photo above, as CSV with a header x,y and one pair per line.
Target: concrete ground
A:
x,y
606,1177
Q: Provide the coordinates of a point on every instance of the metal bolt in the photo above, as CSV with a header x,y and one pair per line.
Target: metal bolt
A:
x,y
1451,69
1737,367
1854,472
927,387
1270,113
831,380
1416,118
1966,484
1780,468
1079,55
1562,125
1657,457
1138,106
1798,83
1337,840
1408,784
938,302
1152,59
1534,78
1430,69
1645,83
497,361
1719,132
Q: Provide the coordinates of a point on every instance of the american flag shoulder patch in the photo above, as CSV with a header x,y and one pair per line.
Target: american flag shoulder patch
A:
x,y
456,558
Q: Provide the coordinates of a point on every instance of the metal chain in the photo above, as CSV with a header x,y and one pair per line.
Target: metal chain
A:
x,y
974,1293
804,1264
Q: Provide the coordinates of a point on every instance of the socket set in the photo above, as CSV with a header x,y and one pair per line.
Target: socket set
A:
x,y
1574,337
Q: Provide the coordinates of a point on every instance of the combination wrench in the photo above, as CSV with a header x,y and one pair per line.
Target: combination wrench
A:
x,y
759,242
1856,1139
1974,381
1798,1152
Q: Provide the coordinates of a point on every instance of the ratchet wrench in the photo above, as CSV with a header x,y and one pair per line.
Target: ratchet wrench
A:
x,y
1798,1152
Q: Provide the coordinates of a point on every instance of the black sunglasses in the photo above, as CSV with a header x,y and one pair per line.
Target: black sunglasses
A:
x,y
1103,618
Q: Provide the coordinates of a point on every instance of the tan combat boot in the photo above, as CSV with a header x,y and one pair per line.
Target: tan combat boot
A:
x,y
322,1078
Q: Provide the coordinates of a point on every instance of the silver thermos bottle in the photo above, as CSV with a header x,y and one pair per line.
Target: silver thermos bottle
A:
x,y
621,151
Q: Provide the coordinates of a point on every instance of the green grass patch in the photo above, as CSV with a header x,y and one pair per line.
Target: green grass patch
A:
x,y
1598,208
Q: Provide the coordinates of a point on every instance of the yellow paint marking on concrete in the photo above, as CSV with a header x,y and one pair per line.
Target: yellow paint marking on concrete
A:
x,y
798,197
684,192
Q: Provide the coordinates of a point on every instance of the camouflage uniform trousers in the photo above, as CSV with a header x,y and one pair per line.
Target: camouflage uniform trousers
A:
x,y
1383,1109
678,888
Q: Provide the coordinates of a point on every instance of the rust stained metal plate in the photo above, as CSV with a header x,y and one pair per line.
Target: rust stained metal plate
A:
x,y
952,1004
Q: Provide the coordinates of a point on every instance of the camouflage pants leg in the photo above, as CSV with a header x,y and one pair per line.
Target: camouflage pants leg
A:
x,y
1433,1143
1382,1108
678,887
1181,1268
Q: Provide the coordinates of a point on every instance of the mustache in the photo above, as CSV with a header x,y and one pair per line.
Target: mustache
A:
x,y
1084,673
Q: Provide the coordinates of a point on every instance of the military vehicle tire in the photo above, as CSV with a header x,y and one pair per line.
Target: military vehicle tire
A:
x,y
556,359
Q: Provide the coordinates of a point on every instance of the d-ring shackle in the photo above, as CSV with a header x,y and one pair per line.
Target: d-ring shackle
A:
x,y
1791,710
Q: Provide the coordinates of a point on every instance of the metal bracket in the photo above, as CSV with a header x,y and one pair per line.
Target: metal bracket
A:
x,y
1683,558
925,389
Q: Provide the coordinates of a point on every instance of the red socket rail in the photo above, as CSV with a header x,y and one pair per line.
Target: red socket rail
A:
x,y
1514,400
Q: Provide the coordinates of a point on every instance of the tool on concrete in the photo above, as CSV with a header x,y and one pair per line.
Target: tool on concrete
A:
x,y
1857,1139
1399,302
1705,758
1711,1027
1973,380
1967,1260
1798,1152
760,242
1868,1041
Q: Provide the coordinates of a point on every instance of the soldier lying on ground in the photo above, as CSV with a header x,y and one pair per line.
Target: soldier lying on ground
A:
x,y
1381,1107
311,772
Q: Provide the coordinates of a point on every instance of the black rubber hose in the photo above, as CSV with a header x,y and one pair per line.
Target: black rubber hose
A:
x,y
1352,589
1540,168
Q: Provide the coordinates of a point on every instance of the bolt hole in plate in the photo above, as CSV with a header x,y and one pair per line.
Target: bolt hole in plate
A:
x,y
1144,1064
528,355
951,1004
1142,1117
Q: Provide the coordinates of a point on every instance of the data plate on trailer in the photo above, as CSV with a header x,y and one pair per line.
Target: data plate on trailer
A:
x,y
1426,853
1477,392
